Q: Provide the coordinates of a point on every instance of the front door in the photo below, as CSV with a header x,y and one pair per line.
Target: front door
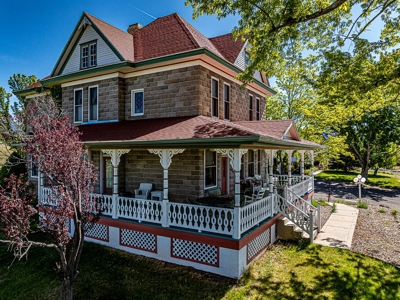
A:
x,y
224,187
108,176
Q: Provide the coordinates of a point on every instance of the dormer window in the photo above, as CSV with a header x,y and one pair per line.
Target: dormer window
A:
x,y
88,55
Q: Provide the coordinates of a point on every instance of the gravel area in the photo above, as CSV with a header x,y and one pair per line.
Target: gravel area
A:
x,y
325,214
377,234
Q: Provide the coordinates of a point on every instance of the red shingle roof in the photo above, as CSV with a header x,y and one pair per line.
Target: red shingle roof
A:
x,y
168,35
36,84
121,40
226,45
180,128
274,128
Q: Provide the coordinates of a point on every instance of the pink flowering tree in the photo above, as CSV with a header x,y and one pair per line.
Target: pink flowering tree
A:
x,y
53,143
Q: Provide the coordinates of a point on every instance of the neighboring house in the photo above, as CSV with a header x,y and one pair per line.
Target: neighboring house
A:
x,y
161,104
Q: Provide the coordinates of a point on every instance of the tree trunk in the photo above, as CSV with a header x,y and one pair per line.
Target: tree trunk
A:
x,y
66,289
376,171
364,171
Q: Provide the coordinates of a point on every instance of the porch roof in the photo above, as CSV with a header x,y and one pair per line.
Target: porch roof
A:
x,y
191,131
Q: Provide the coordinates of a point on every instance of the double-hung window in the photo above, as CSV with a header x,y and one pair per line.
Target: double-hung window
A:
x,y
242,167
88,55
258,117
34,168
210,169
250,163
227,98
214,97
137,102
93,103
78,105
250,108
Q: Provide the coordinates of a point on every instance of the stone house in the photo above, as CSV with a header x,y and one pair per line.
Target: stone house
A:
x,y
161,105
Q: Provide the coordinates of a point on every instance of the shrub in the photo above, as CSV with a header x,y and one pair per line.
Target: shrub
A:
x,y
381,210
333,208
394,212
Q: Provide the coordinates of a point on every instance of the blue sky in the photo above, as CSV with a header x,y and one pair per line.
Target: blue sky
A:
x,y
33,34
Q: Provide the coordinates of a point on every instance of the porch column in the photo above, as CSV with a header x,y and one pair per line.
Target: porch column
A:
x,y
271,154
115,159
312,162
235,156
312,167
289,157
302,164
165,160
266,167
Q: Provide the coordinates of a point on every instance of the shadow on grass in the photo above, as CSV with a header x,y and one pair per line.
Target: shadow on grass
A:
x,y
319,275
288,271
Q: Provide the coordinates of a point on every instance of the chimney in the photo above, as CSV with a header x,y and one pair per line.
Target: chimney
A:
x,y
134,27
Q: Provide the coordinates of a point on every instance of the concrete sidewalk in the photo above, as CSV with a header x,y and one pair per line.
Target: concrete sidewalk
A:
x,y
339,229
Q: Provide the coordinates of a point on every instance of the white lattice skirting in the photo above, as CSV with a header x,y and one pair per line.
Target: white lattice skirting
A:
x,y
99,232
197,252
258,244
138,240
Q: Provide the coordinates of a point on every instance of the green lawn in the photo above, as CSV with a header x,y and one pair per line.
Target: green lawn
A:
x,y
286,271
382,179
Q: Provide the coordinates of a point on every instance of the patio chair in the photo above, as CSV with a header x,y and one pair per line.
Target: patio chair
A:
x,y
143,192
258,194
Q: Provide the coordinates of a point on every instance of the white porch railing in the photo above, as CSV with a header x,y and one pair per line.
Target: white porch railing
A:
x,y
253,214
303,187
45,197
140,209
197,217
201,218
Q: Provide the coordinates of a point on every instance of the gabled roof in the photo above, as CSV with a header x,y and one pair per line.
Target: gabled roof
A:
x,y
121,40
275,128
194,130
227,46
168,35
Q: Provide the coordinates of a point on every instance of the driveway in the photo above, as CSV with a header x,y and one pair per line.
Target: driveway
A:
x,y
376,196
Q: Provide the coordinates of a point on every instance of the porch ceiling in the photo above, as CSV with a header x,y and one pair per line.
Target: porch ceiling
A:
x,y
189,132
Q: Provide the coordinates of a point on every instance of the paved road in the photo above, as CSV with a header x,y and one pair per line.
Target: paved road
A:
x,y
376,196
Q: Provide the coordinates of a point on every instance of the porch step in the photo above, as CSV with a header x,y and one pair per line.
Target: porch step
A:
x,y
288,231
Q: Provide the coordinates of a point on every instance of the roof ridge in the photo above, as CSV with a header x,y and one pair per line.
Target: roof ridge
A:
x,y
184,24
91,16
217,36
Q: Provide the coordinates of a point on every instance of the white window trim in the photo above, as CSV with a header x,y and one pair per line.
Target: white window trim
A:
x,y
34,176
78,122
258,112
217,116
216,171
252,109
89,116
89,64
230,93
133,104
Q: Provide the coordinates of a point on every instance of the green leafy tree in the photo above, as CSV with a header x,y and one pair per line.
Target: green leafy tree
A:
x,y
19,82
370,137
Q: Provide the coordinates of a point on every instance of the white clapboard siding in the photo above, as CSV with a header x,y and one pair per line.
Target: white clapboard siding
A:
x,y
105,55
240,63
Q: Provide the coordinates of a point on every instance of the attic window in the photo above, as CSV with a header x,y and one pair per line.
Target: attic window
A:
x,y
247,60
88,55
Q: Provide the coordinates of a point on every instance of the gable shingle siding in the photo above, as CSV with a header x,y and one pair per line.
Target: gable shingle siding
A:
x,y
105,55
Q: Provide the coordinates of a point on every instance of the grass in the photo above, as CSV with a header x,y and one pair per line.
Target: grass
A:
x,y
321,202
286,271
381,210
394,212
362,205
382,180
